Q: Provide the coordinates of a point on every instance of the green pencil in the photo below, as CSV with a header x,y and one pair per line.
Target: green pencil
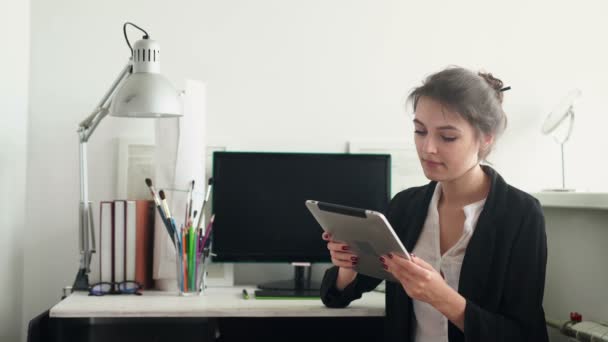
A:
x,y
192,257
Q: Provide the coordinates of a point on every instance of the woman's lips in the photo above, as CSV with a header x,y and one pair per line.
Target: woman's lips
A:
x,y
431,163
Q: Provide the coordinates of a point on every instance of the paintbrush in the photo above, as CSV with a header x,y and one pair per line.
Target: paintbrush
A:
x,y
208,231
200,218
160,209
163,200
188,219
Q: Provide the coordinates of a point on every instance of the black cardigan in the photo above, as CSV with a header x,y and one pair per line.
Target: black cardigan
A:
x,y
502,276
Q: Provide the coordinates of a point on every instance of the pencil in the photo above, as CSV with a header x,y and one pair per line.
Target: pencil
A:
x,y
178,250
191,256
185,262
196,255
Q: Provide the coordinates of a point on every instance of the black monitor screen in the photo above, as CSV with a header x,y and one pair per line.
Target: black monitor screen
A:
x,y
258,201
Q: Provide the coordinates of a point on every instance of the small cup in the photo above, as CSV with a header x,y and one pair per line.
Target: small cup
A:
x,y
192,271
191,257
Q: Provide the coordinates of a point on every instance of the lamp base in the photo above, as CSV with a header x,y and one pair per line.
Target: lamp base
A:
x,y
81,283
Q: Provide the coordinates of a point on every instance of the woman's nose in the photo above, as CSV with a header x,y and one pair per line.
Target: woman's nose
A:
x,y
428,146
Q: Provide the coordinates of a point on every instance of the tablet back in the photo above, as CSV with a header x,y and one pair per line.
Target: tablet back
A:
x,y
367,232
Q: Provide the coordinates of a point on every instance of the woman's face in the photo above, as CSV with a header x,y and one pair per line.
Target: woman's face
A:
x,y
447,144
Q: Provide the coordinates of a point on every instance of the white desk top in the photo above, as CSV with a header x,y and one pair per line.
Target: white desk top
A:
x,y
216,302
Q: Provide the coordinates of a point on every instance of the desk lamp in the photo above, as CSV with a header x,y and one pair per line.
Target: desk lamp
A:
x,y
140,91
557,119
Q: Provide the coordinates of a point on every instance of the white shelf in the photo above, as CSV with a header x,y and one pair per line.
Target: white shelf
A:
x,y
579,200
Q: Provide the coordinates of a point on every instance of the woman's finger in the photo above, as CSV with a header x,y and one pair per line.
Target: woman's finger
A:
x,y
326,236
401,268
420,262
329,238
343,256
344,259
342,264
338,246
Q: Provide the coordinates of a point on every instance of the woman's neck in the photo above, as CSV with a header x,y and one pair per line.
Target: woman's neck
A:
x,y
471,187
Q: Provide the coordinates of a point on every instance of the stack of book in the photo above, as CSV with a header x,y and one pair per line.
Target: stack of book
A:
x,y
126,241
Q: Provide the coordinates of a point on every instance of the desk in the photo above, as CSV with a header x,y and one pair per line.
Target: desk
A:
x,y
236,317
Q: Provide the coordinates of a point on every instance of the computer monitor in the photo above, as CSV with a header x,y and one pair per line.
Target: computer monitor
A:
x,y
258,201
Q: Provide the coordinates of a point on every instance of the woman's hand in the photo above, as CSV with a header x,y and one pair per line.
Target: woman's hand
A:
x,y
342,257
418,278
422,282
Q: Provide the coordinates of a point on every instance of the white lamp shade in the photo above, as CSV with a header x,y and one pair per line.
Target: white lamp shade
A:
x,y
146,95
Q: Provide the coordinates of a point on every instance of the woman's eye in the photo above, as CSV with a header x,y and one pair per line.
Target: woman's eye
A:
x,y
448,139
419,132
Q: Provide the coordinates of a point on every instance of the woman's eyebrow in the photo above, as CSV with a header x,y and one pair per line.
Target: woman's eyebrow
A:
x,y
448,127
445,127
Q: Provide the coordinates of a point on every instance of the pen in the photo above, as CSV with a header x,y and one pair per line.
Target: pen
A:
x,y
245,294
202,257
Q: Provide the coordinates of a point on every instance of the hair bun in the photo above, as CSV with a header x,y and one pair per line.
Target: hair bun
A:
x,y
494,82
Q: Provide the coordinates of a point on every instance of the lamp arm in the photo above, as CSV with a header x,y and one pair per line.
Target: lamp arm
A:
x,y
86,229
89,124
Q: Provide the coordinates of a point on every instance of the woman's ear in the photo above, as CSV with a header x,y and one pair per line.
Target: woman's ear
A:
x,y
486,141
484,146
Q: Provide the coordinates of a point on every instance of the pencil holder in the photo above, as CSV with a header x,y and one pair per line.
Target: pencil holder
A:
x,y
191,243
192,272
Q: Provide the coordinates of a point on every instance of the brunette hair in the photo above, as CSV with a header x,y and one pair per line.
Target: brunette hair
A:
x,y
477,97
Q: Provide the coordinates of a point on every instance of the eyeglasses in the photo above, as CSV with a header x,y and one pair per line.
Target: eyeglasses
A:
x,y
123,287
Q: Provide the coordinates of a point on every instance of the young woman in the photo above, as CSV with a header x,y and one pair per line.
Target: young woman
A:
x,y
478,244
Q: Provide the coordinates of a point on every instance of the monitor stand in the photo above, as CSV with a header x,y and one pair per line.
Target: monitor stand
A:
x,y
300,286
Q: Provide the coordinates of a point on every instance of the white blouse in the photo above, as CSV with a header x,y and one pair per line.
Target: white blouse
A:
x,y
431,325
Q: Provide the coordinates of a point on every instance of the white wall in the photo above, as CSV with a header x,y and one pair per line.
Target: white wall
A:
x,y
305,76
14,68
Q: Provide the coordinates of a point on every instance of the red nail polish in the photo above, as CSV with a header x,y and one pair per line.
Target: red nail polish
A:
x,y
382,260
385,267
390,255
345,248
354,263
354,258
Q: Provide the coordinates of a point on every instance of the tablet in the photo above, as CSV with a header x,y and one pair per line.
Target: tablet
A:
x,y
367,232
